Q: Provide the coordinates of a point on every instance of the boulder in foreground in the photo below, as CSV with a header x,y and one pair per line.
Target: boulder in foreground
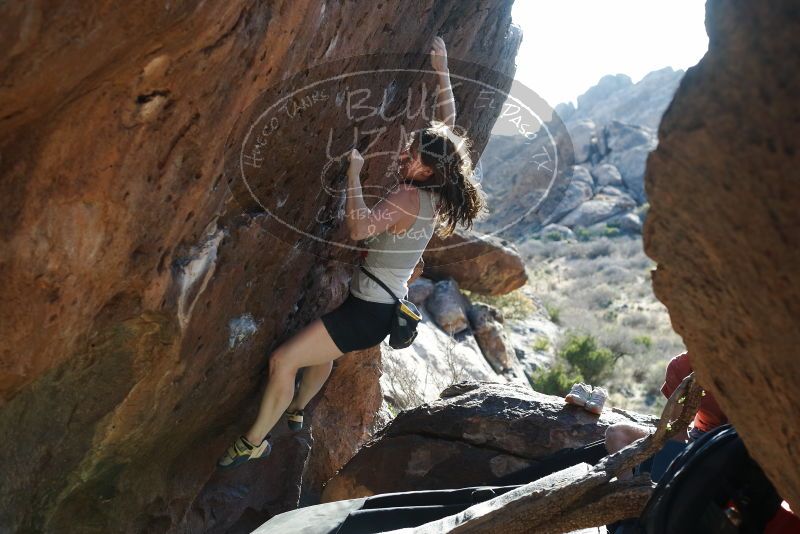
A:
x,y
495,429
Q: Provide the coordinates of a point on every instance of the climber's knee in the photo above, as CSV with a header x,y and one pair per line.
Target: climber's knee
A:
x,y
280,363
620,435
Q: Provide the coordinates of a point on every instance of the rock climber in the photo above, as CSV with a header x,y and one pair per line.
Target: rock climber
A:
x,y
435,184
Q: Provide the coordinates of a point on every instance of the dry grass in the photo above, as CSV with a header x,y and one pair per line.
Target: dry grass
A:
x,y
602,287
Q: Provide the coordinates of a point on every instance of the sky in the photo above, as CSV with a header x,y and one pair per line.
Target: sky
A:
x,y
568,45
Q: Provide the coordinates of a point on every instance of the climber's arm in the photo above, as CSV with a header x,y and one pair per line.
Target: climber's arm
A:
x,y
363,222
445,109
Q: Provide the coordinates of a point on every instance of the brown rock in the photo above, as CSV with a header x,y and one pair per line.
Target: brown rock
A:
x,y
341,422
495,429
724,225
484,264
419,290
128,265
448,307
491,338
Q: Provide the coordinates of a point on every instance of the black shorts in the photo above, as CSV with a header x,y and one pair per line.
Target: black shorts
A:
x,y
359,324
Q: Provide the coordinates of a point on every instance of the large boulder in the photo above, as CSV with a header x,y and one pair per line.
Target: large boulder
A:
x,y
584,139
629,146
141,298
435,361
448,306
576,193
484,264
724,225
607,174
581,173
631,164
621,137
487,327
495,429
419,290
598,209
625,223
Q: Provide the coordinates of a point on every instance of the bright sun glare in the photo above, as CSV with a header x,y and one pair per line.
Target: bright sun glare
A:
x,y
568,45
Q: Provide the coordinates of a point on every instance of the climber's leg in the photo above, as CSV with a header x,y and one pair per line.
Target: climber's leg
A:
x,y
619,436
311,346
313,379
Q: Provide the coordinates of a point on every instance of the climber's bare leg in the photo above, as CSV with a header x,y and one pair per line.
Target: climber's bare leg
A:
x,y
313,379
619,436
311,346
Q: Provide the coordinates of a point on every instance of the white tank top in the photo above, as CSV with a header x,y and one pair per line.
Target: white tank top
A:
x,y
392,257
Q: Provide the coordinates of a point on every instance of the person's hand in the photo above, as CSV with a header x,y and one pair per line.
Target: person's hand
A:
x,y
356,162
439,55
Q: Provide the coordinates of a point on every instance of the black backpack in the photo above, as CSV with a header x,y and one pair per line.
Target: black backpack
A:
x,y
713,486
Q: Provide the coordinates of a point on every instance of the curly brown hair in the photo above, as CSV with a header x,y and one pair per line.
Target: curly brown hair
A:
x,y
446,151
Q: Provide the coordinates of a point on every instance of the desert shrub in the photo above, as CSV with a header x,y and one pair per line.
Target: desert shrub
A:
x,y
582,268
636,320
599,248
630,247
643,340
514,305
610,316
582,353
601,297
553,312
556,380
614,274
541,344
582,234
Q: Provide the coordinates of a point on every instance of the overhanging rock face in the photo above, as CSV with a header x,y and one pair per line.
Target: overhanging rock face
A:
x,y
140,298
724,225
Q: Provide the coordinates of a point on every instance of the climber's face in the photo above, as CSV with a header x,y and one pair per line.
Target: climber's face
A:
x,y
411,166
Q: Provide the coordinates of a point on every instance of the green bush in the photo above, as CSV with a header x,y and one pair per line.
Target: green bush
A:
x,y
553,236
554,381
645,341
610,316
514,305
554,313
592,362
582,234
541,344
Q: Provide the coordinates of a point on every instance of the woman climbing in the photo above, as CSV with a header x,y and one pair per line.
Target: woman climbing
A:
x,y
436,184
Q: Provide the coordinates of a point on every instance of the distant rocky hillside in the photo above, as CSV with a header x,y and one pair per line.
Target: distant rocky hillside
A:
x,y
617,98
612,131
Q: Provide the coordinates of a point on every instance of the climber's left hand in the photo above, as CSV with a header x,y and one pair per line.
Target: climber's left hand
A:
x,y
438,55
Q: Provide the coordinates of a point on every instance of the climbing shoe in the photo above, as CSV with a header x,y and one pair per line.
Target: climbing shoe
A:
x,y
596,401
579,394
242,451
294,419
